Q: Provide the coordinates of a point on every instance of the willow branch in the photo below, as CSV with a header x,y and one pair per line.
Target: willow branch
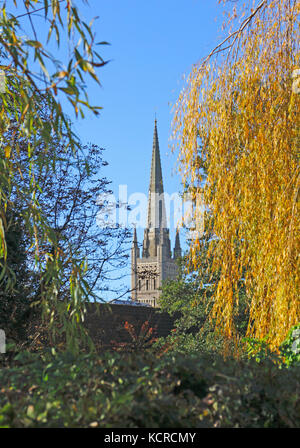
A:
x,y
235,34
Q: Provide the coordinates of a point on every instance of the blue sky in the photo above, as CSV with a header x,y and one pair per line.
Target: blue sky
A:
x,y
152,45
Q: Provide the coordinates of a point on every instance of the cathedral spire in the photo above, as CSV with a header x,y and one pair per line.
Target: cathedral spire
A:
x,y
156,181
156,204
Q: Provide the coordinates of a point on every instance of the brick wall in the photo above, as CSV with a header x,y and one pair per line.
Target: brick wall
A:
x,y
105,323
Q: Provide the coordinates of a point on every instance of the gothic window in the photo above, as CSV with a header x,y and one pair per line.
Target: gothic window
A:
x,y
147,285
140,286
154,283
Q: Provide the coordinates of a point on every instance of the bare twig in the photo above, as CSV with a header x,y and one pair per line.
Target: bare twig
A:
x,y
28,13
235,34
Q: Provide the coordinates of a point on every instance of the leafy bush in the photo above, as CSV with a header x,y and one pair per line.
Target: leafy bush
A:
x,y
287,355
290,348
143,390
190,299
142,340
259,350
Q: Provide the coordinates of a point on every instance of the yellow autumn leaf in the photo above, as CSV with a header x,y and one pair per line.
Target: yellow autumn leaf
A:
x,y
7,151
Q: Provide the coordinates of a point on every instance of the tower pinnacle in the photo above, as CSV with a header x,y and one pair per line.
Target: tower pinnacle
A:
x,y
134,239
177,248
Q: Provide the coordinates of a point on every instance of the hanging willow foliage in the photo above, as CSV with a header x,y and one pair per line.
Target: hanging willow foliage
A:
x,y
238,118
31,79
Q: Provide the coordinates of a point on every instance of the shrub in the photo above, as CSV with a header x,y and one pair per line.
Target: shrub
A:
x,y
136,390
290,348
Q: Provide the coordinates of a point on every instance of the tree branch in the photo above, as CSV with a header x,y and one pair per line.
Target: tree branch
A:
x,y
235,34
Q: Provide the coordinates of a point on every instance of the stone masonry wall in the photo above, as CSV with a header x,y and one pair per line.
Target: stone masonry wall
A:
x,y
105,323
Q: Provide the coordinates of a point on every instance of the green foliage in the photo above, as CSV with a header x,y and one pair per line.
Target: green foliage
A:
x,y
15,301
190,298
141,390
34,78
260,350
290,348
287,355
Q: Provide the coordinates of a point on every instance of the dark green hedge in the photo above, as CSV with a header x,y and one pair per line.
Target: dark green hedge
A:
x,y
141,390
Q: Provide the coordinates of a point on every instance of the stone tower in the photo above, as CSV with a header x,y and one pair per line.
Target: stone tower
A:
x,y
155,263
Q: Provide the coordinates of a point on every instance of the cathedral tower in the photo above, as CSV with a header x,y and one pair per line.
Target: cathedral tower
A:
x,y
155,263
